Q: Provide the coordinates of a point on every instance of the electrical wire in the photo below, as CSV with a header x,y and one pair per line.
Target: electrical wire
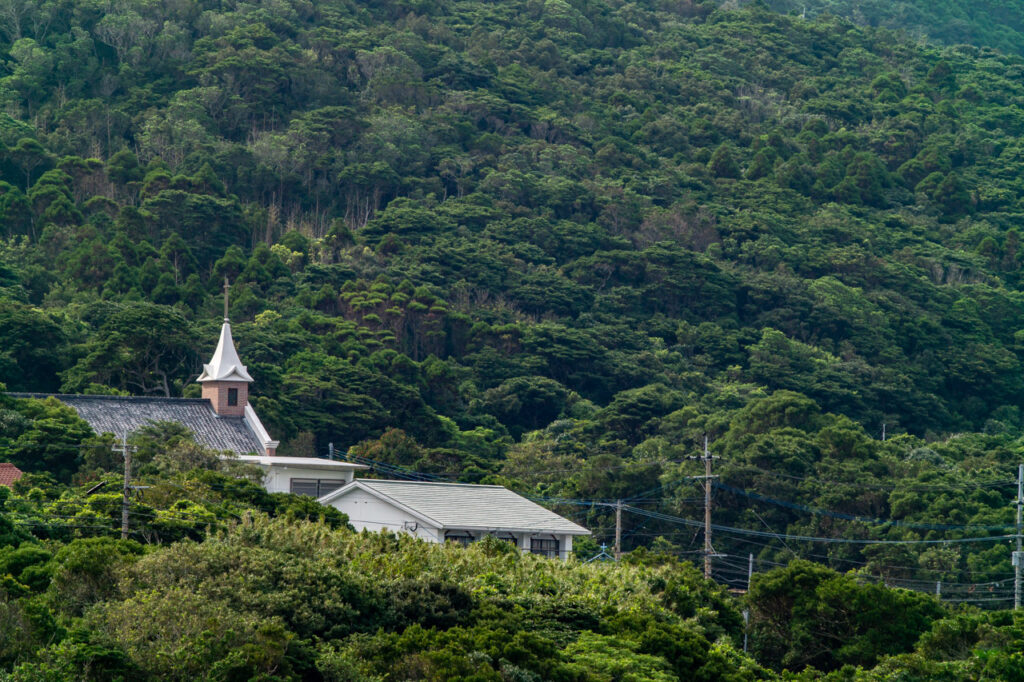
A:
x,y
807,538
861,484
854,562
853,517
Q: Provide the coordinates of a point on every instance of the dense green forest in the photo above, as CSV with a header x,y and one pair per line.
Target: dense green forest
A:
x,y
547,244
245,585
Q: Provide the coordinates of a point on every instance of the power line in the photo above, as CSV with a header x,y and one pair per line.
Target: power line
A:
x,y
860,484
730,572
854,562
807,538
853,517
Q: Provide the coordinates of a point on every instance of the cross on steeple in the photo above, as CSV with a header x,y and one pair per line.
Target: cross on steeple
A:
x,y
226,287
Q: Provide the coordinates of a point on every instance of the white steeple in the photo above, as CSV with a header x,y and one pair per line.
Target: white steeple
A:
x,y
225,364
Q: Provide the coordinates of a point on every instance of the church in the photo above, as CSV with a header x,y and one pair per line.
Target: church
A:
x,y
222,419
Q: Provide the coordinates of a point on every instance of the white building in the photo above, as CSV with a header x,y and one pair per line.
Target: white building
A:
x,y
302,475
455,512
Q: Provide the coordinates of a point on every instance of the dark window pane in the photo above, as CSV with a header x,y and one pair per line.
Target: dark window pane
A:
x,y
329,485
232,396
304,486
545,547
463,538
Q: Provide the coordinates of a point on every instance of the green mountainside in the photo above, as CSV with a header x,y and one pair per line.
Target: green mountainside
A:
x,y
551,245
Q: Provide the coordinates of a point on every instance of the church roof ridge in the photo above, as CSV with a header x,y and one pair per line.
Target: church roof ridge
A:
x,y
100,396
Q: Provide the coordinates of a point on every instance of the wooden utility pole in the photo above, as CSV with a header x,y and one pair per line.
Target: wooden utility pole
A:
x,y
618,530
747,611
707,511
1017,555
708,550
125,494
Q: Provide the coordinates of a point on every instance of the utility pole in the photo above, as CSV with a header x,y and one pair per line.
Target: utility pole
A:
x,y
330,451
707,511
746,612
1017,554
127,452
618,529
708,550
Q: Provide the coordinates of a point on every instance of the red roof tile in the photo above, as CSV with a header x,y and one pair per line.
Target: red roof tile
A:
x,y
9,473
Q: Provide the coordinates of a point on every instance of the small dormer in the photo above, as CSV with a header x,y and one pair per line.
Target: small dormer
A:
x,y
225,379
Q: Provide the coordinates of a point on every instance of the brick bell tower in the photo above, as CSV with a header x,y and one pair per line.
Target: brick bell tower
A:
x,y
225,379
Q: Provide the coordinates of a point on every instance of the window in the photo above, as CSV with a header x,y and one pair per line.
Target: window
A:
x,y
304,486
232,396
328,485
545,545
314,487
507,537
462,537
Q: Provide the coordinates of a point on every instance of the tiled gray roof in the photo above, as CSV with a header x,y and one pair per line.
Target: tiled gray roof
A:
x,y
464,505
120,415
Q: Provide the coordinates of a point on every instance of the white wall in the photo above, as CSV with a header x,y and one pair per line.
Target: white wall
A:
x,y
565,546
277,479
366,511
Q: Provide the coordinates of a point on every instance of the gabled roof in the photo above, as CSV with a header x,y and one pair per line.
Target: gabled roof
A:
x,y
121,415
225,364
9,473
464,506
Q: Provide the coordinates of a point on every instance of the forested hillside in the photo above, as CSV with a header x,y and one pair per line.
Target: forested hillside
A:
x,y
547,244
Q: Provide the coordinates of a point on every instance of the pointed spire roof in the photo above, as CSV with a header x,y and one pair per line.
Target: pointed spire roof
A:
x,y
225,364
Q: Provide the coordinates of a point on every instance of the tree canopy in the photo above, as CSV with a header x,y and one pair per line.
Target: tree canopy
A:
x,y
553,245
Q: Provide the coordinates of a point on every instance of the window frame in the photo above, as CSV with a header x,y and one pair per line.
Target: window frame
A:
x,y
323,486
506,537
303,481
546,545
463,537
